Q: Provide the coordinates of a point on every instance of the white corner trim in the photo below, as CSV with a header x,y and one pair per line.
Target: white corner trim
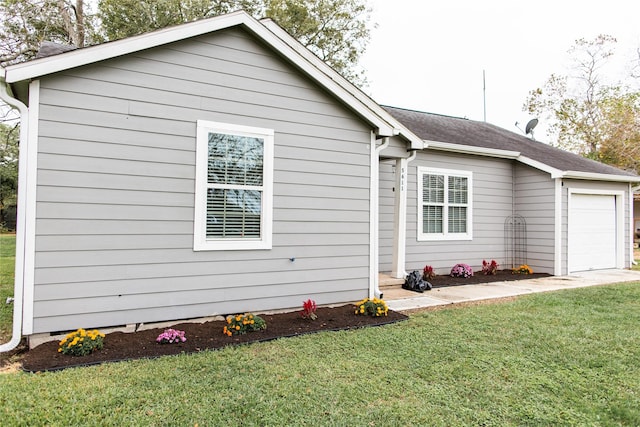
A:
x,y
30,208
557,244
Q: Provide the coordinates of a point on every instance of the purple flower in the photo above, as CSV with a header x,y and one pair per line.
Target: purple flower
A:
x,y
461,270
170,336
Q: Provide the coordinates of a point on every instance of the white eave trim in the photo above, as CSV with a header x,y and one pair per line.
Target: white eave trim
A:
x,y
88,55
397,127
506,154
470,149
599,176
278,39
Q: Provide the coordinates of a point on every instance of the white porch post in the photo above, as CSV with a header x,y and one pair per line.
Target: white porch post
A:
x,y
400,221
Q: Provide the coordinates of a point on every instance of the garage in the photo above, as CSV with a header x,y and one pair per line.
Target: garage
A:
x,y
592,232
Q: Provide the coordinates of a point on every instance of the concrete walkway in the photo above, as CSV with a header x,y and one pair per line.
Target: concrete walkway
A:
x,y
401,299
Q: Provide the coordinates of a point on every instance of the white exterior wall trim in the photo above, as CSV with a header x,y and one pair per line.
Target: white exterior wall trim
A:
x,y
281,42
620,212
18,293
632,261
374,215
200,242
470,149
599,176
506,154
398,128
30,207
557,217
398,262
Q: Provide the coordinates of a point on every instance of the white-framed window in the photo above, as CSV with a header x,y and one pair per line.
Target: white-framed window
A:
x,y
234,187
444,204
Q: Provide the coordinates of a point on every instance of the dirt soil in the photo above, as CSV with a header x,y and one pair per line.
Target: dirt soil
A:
x,y
206,336
479,278
201,336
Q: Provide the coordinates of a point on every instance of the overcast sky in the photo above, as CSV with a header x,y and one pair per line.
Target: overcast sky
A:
x,y
430,55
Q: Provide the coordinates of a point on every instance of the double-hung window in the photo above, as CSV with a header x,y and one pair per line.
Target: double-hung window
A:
x,y
444,204
234,187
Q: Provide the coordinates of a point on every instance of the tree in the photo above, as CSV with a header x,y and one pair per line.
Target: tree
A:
x,y
8,174
27,23
589,116
335,30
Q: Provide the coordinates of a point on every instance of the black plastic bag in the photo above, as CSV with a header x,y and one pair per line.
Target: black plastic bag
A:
x,y
415,282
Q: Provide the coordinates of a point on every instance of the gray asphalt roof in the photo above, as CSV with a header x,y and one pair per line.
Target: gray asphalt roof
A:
x,y
461,131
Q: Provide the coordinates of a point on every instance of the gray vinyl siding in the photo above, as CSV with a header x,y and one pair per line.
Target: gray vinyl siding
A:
x,y
535,201
492,204
115,190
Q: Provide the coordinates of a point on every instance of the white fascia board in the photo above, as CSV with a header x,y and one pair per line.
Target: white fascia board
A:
x,y
394,127
88,55
555,173
506,154
470,149
599,176
283,43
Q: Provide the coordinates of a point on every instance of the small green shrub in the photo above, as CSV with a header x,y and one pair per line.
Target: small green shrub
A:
x,y
240,324
523,269
81,342
372,307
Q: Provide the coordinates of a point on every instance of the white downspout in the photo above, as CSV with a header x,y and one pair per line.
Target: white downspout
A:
x,y
374,216
18,293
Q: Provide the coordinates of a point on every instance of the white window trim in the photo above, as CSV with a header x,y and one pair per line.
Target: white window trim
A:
x,y
426,237
200,241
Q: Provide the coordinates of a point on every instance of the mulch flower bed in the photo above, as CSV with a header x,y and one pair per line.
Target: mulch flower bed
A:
x,y
479,278
201,336
208,336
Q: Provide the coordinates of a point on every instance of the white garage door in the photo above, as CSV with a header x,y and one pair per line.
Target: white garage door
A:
x,y
592,232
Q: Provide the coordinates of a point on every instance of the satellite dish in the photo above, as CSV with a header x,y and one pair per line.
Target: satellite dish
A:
x,y
530,126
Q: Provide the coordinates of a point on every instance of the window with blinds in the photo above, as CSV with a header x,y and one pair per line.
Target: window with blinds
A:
x,y
444,204
233,187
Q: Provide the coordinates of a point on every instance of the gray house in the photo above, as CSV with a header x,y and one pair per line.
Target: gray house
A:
x,y
219,167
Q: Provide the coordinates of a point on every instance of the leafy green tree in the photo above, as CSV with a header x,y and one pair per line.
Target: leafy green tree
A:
x,y
588,115
25,24
125,18
336,31
8,173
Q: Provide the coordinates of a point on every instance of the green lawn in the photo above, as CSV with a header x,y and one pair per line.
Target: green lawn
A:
x,y
7,265
568,357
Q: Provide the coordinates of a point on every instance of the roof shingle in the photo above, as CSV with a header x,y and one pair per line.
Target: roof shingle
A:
x,y
461,131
